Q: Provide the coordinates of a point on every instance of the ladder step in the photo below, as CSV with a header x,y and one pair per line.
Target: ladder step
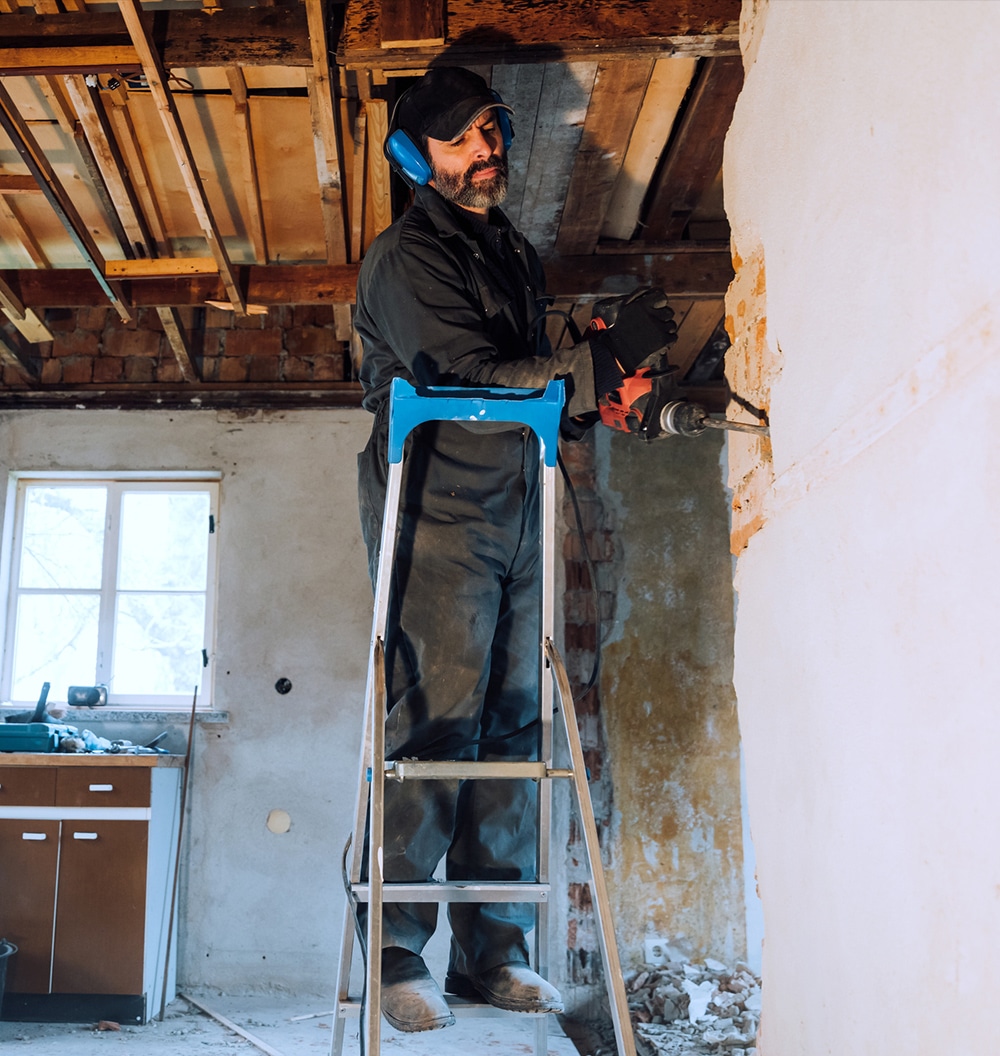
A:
x,y
459,891
415,769
461,1008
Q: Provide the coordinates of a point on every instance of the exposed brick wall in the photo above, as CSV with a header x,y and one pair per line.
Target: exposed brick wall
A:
x,y
583,956
93,346
751,366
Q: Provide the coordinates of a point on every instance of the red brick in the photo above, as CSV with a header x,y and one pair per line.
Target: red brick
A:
x,y
310,341
232,369
210,368
211,343
169,370
329,368
51,371
265,369
60,318
148,319
253,343
216,318
126,343
140,369
312,315
78,370
74,343
108,370
297,369
251,322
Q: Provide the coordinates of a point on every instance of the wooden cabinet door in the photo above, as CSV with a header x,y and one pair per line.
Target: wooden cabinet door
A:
x,y
29,855
101,909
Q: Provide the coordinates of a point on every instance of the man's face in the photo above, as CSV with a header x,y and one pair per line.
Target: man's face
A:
x,y
471,171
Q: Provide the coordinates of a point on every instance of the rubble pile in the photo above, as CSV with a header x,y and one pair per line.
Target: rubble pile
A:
x,y
684,1009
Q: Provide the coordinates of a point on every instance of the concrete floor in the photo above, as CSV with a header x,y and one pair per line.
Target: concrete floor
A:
x,y
186,1030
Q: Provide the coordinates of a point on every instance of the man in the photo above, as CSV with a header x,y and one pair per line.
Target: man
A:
x,y
451,294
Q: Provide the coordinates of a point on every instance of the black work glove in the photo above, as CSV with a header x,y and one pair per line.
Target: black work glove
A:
x,y
637,327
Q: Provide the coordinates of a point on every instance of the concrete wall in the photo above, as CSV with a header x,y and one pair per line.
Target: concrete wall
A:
x,y
861,183
257,909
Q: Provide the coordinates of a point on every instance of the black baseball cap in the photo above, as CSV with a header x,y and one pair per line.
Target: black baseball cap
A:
x,y
444,102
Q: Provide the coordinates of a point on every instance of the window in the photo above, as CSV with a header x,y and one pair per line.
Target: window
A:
x,y
111,582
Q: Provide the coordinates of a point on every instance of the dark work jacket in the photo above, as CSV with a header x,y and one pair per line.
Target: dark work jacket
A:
x,y
431,310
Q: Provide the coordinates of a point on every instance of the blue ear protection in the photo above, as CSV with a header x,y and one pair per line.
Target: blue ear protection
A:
x,y
407,158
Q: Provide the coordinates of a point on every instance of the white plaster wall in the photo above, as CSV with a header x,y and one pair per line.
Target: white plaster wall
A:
x,y
257,910
864,160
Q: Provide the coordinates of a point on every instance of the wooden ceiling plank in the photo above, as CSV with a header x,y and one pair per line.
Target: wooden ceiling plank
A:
x,y
553,142
521,88
173,327
16,184
411,23
661,103
696,151
9,7
378,197
135,165
100,137
619,88
325,136
18,232
38,165
251,184
156,79
97,42
502,31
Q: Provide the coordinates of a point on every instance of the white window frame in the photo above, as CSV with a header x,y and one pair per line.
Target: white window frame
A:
x,y
116,483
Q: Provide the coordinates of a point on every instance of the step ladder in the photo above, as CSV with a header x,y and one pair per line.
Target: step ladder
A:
x,y
539,410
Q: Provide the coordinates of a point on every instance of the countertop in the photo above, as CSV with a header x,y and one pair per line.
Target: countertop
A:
x,y
87,759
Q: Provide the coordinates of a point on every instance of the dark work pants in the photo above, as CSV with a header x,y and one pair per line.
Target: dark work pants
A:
x,y
462,659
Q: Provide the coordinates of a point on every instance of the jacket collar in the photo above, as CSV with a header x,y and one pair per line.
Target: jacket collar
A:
x,y
445,216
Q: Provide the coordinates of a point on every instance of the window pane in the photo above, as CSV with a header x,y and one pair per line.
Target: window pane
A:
x,y
158,643
63,537
56,641
164,540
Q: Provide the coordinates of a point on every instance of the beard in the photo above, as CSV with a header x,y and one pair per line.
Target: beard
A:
x,y
479,194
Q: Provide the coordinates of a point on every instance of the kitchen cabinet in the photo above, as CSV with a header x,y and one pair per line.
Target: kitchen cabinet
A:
x,y
87,853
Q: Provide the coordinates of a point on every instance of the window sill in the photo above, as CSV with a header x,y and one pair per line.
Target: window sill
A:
x,y
78,716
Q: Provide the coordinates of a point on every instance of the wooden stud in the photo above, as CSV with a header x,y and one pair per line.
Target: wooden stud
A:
x,y
156,79
31,327
251,185
10,302
378,200
325,136
411,23
358,185
619,88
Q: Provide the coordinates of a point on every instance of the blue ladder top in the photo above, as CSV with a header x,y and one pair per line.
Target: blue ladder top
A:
x,y
538,409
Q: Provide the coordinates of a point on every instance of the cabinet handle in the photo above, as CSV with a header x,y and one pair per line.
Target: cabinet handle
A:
x,y
102,788
33,836
84,835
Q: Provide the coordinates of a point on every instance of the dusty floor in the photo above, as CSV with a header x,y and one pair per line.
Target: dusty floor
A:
x,y
186,1030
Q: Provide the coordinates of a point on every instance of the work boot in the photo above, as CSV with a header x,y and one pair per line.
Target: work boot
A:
x,y
514,987
411,1000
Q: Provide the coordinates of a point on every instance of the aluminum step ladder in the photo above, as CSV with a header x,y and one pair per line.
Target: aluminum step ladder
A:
x,y
539,410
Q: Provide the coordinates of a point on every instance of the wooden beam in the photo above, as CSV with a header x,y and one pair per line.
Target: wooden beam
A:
x,y
31,328
505,31
160,267
378,196
173,327
699,274
358,187
156,79
251,184
326,139
696,151
411,23
135,166
12,356
220,395
615,100
38,165
13,184
96,42
15,230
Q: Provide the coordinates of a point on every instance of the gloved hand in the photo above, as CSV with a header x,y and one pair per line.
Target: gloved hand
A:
x,y
634,328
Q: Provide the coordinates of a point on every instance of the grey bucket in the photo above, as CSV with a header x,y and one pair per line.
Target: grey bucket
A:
x,y
7,950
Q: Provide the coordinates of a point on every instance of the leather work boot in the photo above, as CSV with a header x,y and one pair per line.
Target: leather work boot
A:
x,y
514,987
411,1000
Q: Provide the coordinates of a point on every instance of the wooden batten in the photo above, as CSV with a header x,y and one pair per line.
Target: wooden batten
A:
x,y
378,197
177,339
160,267
251,184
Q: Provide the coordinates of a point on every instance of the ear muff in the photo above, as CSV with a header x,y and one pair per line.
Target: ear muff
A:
x,y
408,160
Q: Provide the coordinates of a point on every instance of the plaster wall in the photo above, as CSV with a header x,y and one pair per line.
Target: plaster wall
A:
x,y
861,170
257,909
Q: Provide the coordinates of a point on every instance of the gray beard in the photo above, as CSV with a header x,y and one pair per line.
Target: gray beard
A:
x,y
480,195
